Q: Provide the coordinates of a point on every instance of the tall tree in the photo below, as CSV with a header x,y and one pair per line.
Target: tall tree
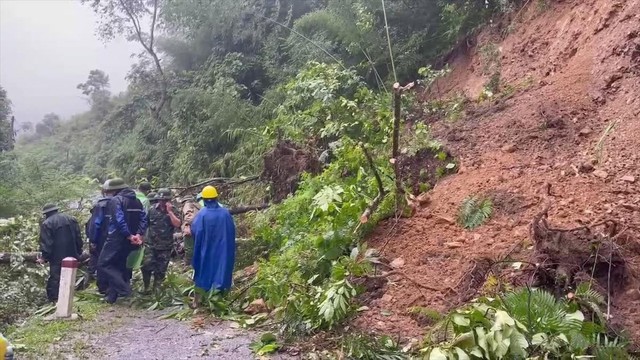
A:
x,y
50,123
128,18
97,88
7,134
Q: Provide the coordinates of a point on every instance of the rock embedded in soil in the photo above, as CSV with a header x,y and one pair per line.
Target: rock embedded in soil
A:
x,y
397,263
633,294
453,244
509,148
585,131
586,167
629,178
601,174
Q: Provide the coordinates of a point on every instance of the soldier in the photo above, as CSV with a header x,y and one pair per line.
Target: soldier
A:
x,y
59,238
162,222
127,225
152,198
189,210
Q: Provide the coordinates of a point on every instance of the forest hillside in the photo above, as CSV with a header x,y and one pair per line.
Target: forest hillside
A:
x,y
440,179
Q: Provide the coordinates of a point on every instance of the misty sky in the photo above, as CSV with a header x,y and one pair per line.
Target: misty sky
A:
x,y
47,47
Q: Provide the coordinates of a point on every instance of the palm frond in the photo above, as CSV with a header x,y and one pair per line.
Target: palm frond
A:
x,y
539,311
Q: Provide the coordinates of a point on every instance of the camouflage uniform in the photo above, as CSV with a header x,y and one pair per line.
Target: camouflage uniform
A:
x,y
159,244
189,211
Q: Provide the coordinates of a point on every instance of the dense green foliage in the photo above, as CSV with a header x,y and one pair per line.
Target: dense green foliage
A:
x,y
222,64
236,78
525,324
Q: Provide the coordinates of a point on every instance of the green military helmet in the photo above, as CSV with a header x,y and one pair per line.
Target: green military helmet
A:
x,y
114,184
164,194
49,208
152,196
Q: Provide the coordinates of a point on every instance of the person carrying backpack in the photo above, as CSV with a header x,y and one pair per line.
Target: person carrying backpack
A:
x,y
127,225
97,229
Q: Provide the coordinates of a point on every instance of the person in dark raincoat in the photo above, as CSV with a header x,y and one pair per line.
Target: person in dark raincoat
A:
x,y
214,245
60,237
97,230
127,225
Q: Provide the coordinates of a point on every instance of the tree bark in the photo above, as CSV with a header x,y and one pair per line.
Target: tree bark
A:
x,y
155,110
218,180
381,192
246,209
31,257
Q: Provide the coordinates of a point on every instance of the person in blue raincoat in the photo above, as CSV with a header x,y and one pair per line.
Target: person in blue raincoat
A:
x,y
214,248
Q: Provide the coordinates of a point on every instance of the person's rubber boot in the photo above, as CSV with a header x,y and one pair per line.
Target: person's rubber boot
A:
x,y
111,297
156,285
146,279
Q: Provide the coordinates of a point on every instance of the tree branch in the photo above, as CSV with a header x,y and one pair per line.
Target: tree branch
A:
x,y
245,209
155,111
397,103
381,192
31,257
216,180
153,22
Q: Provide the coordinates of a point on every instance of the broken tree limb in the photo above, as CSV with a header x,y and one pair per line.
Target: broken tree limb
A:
x,y
216,180
381,192
374,169
31,257
246,209
395,153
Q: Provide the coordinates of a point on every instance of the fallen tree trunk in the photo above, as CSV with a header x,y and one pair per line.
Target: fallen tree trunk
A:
x,y
216,180
246,209
31,257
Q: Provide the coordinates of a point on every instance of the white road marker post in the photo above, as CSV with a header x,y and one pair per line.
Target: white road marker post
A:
x,y
67,288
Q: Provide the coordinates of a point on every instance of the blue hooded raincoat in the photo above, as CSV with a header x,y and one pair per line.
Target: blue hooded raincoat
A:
x,y
214,249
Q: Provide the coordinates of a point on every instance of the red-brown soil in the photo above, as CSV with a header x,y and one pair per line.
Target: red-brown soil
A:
x,y
576,70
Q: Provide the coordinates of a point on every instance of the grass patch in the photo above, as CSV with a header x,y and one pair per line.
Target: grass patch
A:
x,y
33,340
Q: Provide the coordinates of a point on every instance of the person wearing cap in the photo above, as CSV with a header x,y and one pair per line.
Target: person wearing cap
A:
x,y
96,231
144,188
189,210
127,225
214,246
152,198
60,237
159,240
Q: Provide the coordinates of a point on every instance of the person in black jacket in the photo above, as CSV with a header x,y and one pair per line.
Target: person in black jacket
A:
x,y
60,237
96,230
127,225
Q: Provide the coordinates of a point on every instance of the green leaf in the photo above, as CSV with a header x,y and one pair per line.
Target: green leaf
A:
x,y
437,354
538,339
267,338
461,320
461,354
268,349
576,316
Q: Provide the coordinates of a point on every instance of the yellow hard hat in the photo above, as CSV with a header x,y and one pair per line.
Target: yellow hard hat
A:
x,y
209,192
